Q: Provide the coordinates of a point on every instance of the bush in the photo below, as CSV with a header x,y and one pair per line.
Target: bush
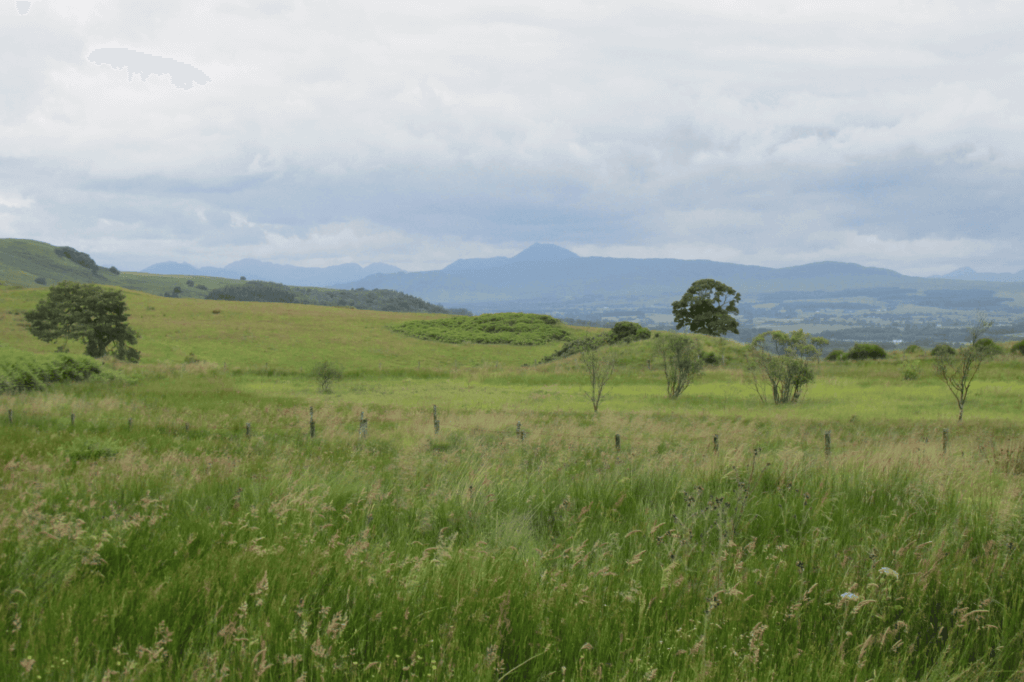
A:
x,y
1018,347
189,283
834,355
519,329
191,359
910,371
942,349
114,271
202,287
628,332
866,351
989,347
709,358
41,280
912,348
176,291
325,374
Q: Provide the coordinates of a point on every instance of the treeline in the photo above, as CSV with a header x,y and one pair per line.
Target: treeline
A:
x,y
361,299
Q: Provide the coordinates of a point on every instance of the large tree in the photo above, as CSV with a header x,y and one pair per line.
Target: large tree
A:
x,y
86,312
708,307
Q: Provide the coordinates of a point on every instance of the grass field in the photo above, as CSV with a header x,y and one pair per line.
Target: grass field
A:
x,y
187,527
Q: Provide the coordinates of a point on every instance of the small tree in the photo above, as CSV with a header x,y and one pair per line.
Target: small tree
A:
x,y
781,364
708,307
958,368
628,332
88,313
597,368
681,360
325,374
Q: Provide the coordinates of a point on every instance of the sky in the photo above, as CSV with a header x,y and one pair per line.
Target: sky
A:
x,y
318,132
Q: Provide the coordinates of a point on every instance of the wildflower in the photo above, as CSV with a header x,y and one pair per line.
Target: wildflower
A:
x,y
885,570
849,596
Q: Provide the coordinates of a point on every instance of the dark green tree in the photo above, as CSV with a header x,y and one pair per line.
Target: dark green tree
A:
x,y
708,307
86,312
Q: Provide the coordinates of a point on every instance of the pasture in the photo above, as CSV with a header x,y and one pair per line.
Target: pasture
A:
x,y
187,527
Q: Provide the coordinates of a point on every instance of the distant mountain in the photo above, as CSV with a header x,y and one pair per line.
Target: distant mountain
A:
x,y
969,275
548,253
272,272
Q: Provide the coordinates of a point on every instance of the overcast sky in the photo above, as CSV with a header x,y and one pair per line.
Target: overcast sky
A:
x,y
316,132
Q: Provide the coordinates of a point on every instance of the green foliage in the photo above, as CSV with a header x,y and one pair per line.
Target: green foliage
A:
x,y
913,348
113,270
709,358
88,313
256,291
627,332
989,347
190,283
20,371
1018,348
942,349
41,280
520,329
681,361
90,449
202,287
325,373
708,307
83,259
835,355
866,351
910,371
780,364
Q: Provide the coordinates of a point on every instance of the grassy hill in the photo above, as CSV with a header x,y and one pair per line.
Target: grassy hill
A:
x,y
189,527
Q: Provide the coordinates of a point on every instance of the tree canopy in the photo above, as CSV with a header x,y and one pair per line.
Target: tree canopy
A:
x,y
708,307
88,313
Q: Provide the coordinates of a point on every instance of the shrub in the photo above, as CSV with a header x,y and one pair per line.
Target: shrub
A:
x,y
628,332
835,355
176,291
866,351
191,359
709,358
910,371
325,374
913,348
989,347
1018,347
41,280
942,349
519,329
189,283
202,287
114,271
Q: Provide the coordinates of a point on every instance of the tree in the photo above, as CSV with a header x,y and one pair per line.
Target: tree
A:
x,y
597,368
681,360
86,312
708,307
781,362
957,369
628,332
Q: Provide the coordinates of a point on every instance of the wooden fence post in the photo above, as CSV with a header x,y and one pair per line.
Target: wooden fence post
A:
x,y
72,420
437,424
618,443
312,424
828,443
248,431
129,423
10,416
364,425
945,440
716,443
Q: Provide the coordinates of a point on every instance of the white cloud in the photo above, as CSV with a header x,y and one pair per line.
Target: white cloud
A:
x,y
412,132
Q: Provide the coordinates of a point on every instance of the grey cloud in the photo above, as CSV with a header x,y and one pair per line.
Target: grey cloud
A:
x,y
24,6
182,75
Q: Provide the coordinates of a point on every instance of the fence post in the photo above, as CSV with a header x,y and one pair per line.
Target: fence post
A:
x,y
247,429
618,443
129,423
186,428
828,443
72,420
437,424
10,416
364,425
312,424
716,443
945,440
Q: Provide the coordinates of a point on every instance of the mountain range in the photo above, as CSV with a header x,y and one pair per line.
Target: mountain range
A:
x,y
332,276
969,275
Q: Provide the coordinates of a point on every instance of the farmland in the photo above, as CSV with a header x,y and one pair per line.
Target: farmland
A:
x,y
187,526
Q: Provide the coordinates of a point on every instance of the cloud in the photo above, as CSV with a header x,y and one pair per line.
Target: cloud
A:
x,y
763,132
182,75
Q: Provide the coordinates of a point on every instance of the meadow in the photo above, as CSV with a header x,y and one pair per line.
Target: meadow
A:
x,y
187,527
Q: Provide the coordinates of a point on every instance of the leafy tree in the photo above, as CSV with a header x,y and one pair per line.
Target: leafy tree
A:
x,y
75,256
41,280
114,271
681,360
1017,348
942,349
88,313
708,307
781,364
958,368
835,355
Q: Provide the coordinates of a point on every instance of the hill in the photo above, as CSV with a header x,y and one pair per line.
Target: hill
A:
x,y
292,275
